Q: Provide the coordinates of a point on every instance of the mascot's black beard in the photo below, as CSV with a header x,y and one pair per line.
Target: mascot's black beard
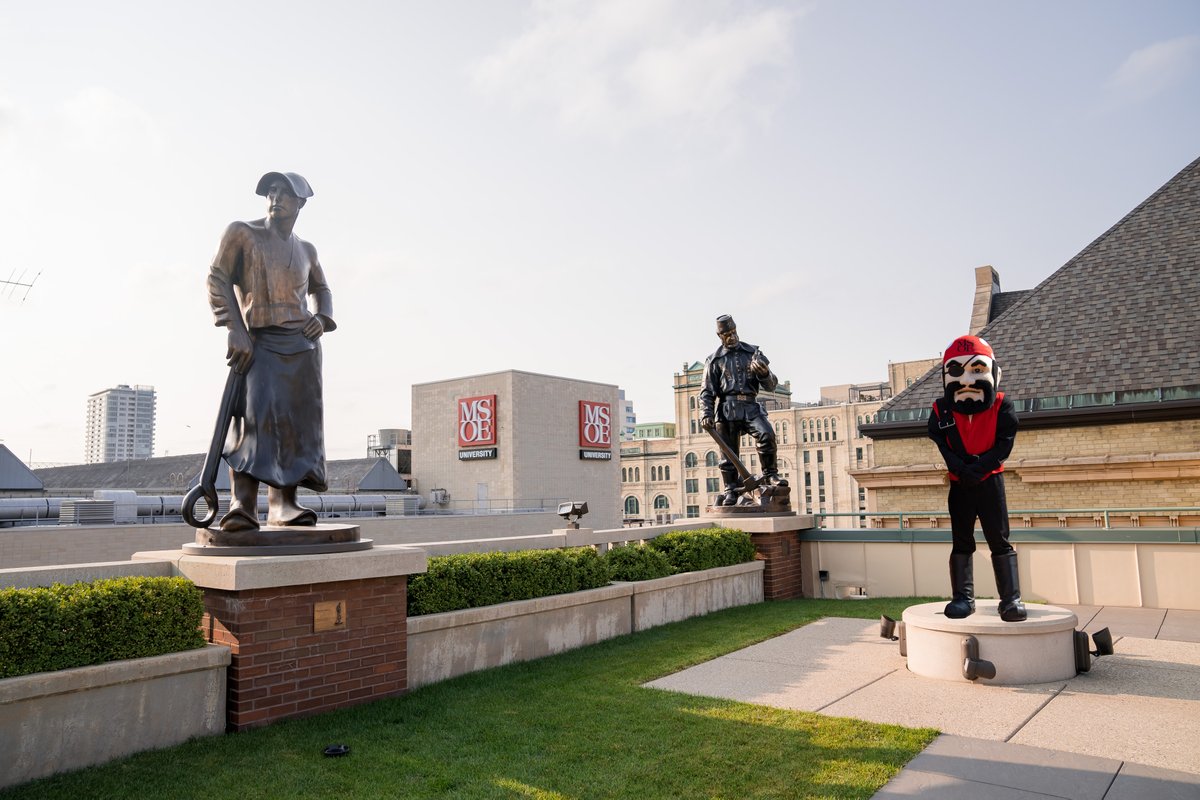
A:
x,y
971,406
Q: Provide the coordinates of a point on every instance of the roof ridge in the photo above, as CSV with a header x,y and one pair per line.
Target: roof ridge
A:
x,y
1195,163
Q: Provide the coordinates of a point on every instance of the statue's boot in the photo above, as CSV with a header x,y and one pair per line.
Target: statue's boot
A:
x,y
962,587
243,507
729,498
282,508
1008,583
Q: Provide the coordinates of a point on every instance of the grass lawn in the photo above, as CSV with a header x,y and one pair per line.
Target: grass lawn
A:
x,y
577,725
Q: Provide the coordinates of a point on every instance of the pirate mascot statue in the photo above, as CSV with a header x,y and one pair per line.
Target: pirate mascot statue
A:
x,y
974,427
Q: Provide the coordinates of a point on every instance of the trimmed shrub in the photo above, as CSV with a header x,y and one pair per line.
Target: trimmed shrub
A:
x,y
689,551
470,580
637,563
78,624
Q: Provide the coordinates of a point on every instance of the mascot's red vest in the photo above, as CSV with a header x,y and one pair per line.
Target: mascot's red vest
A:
x,y
977,431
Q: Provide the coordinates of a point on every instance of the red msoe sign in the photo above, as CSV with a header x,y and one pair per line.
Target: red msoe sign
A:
x,y
476,420
595,424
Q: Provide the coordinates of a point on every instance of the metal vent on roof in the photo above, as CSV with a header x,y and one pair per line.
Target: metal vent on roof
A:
x,y
86,512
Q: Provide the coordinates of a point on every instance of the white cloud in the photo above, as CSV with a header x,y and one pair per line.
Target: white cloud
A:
x,y
1153,68
622,65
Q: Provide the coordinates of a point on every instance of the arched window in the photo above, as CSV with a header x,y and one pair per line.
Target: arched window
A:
x,y
667,473
661,502
637,474
690,460
710,459
631,506
624,476
692,402
834,430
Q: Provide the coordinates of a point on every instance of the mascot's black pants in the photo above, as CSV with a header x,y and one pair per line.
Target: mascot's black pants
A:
x,y
986,502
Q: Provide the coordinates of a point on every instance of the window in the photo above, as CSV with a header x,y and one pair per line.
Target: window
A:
x,y
858,454
710,459
806,454
835,430
667,473
690,460
661,502
637,474
693,426
691,485
820,456
632,507
712,485
624,476
692,402
693,511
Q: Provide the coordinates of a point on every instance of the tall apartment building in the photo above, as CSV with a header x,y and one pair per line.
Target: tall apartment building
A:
x,y
120,424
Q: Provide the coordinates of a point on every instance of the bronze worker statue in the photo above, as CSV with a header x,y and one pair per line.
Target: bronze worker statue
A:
x,y
733,376
259,287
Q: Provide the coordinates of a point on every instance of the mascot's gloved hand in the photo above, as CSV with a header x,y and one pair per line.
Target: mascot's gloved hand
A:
x,y
973,475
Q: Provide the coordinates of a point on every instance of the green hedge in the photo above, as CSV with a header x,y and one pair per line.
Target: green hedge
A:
x,y
471,580
689,551
637,563
64,626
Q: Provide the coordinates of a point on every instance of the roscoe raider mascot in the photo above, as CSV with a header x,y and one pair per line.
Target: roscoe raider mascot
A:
x,y
974,427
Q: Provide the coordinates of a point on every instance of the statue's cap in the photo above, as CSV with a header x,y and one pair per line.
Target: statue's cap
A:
x,y
725,323
300,187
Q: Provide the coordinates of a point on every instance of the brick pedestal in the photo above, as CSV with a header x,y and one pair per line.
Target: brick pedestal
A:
x,y
777,541
307,633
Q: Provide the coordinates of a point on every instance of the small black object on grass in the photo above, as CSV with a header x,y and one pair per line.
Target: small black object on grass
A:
x,y
337,750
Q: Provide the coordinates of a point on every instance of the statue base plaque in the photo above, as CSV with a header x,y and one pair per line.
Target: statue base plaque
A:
x,y
278,540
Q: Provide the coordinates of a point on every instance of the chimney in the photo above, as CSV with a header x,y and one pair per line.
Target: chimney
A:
x,y
987,284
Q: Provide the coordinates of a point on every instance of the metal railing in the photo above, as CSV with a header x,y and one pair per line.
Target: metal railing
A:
x,y
1094,518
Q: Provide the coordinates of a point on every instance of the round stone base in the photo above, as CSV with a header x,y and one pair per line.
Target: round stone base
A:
x,y
278,541
1039,650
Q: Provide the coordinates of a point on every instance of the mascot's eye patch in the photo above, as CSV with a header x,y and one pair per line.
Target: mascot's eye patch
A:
x,y
955,369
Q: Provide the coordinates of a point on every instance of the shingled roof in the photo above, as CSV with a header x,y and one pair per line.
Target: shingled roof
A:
x,y
1116,325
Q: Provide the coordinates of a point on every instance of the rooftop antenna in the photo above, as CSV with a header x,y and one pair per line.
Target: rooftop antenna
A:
x,y
12,285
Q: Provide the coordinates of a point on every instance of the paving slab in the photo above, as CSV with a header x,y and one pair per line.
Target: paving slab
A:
x,y
911,783
1140,782
1181,626
1161,733
1144,623
1084,613
964,709
1031,769
798,687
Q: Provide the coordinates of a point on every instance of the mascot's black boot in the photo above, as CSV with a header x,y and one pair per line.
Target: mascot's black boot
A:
x,y
1008,583
962,587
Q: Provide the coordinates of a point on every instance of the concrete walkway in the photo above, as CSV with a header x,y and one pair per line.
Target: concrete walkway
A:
x,y
1129,728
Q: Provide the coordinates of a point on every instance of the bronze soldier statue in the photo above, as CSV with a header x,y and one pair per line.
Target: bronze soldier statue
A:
x,y
733,377
259,287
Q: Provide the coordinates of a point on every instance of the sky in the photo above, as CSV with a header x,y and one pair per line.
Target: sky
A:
x,y
569,188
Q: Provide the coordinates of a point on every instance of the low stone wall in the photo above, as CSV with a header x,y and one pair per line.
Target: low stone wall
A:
x,y
53,722
441,646
1132,568
693,594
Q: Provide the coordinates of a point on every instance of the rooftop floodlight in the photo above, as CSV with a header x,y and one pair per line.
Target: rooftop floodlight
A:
x,y
887,628
571,511
1103,641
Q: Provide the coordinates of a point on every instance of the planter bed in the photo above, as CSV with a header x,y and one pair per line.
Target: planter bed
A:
x,y
441,646
58,721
